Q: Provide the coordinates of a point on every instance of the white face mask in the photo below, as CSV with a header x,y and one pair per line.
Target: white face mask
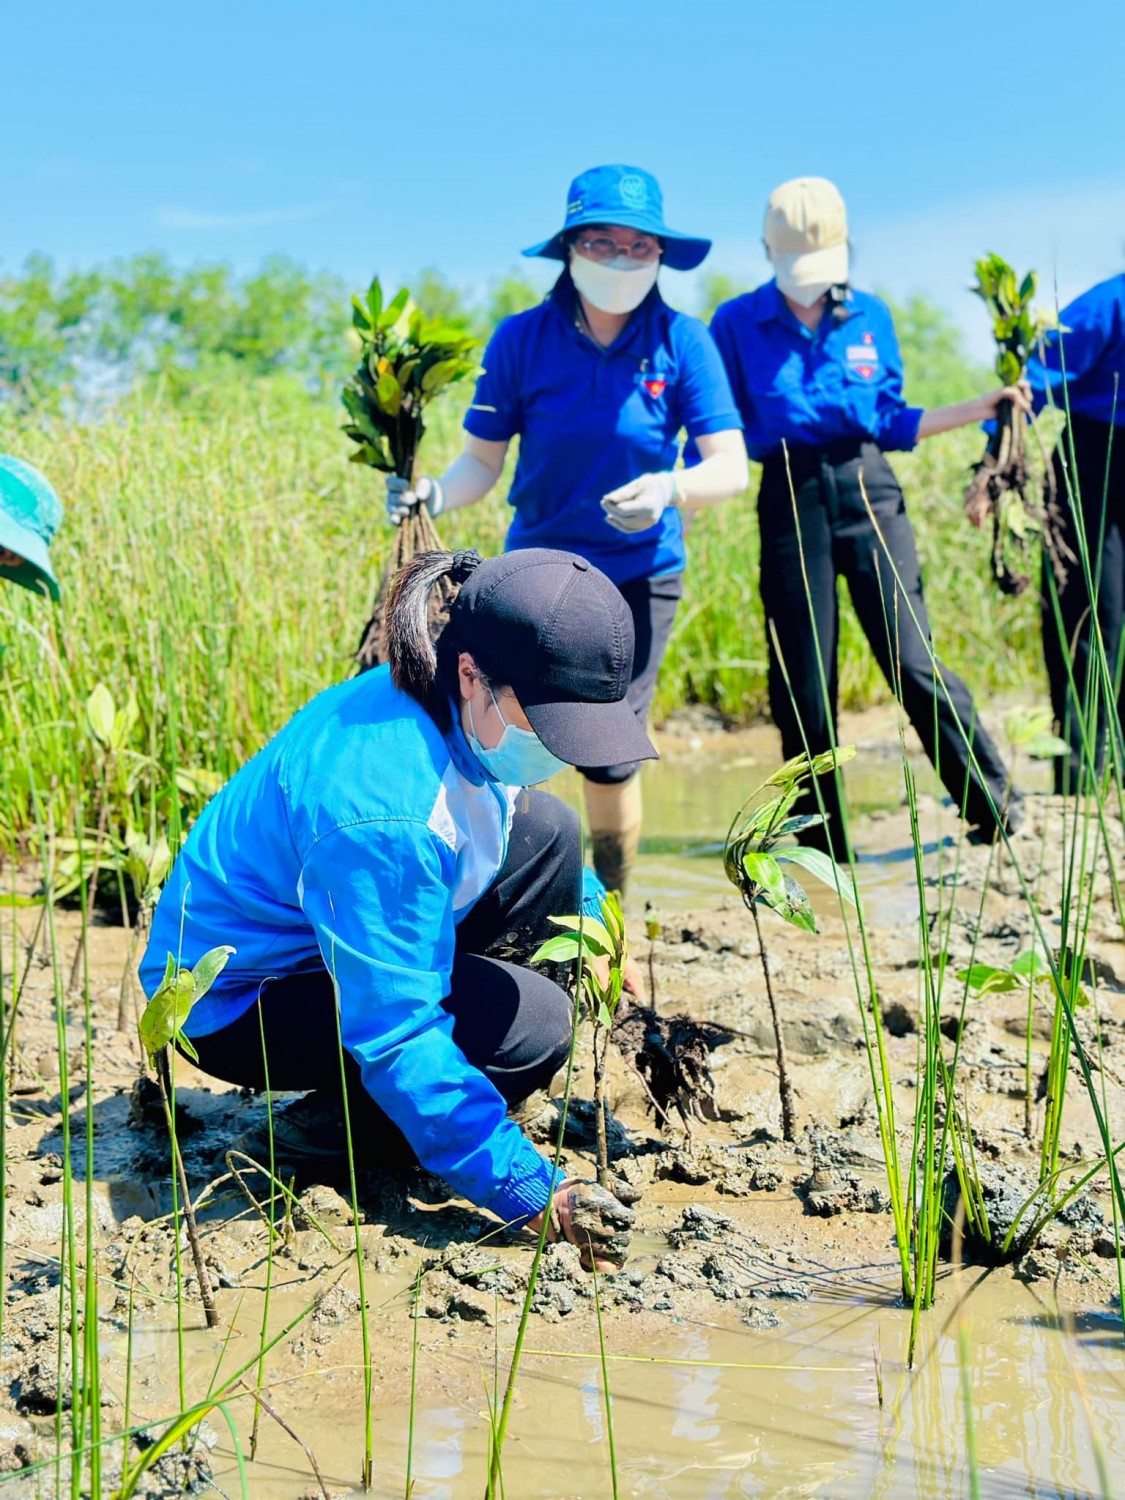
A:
x,y
804,296
618,285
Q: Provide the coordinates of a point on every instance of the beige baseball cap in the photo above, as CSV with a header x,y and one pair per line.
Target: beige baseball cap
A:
x,y
806,233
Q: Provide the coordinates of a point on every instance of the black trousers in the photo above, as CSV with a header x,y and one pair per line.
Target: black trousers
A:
x,y
511,1022
1095,491
652,603
837,537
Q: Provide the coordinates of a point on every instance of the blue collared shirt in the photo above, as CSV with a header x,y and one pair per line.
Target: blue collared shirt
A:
x,y
1088,358
591,419
843,380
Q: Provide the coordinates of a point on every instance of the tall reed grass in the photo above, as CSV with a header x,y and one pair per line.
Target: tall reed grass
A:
x,y
217,565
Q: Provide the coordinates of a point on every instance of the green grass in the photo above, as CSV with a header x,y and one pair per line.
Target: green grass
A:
x,y
218,563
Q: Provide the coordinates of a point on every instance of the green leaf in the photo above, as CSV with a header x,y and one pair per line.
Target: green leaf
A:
x,y
796,908
394,310
209,967
389,392
986,979
1030,965
1047,747
170,1006
361,318
595,936
1008,368
100,713
166,1012
817,863
375,301
764,871
557,950
184,1043
603,1016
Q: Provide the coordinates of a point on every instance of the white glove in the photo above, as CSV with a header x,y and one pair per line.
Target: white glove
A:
x,y
401,499
640,504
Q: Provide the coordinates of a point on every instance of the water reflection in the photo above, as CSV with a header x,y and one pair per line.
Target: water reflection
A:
x,y
714,1413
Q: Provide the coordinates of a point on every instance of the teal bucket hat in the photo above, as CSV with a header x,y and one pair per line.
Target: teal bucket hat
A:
x,y
30,513
628,196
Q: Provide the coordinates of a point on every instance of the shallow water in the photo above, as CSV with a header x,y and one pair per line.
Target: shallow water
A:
x,y
711,1413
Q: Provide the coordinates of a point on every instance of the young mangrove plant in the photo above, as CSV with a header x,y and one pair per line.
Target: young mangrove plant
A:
x,y
161,1026
753,856
998,490
604,950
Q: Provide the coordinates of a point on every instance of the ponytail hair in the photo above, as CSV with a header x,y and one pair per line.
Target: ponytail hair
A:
x,y
417,613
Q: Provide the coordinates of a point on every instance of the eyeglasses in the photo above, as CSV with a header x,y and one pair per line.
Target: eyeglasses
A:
x,y
601,247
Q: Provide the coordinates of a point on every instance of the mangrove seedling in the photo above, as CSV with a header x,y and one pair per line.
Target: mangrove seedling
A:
x,y
753,857
161,1025
604,950
998,490
407,360
1031,973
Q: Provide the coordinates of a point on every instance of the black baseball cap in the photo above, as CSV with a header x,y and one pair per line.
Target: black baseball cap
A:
x,y
554,629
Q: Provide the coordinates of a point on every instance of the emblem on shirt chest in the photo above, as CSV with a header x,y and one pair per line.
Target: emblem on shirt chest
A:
x,y
654,384
863,358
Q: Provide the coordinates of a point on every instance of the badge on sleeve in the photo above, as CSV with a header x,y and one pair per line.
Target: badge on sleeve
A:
x,y
863,358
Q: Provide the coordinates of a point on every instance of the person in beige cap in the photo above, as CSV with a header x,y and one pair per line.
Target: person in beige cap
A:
x,y
816,373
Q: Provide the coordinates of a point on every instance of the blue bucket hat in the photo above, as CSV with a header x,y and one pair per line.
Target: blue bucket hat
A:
x,y
30,513
630,197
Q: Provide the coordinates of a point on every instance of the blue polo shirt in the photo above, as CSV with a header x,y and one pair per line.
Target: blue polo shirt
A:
x,y
1088,358
591,419
793,385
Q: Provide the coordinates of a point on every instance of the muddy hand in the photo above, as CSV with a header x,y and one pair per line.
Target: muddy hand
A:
x,y
597,1223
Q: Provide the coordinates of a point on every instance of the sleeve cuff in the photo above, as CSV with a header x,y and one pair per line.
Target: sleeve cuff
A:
x,y
528,1190
489,426
723,421
593,892
902,430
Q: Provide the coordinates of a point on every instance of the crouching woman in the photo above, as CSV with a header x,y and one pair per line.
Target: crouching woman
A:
x,y
374,859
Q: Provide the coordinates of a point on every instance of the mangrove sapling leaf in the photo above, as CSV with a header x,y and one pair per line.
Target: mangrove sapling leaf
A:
x,y
601,951
161,1023
753,857
825,868
180,989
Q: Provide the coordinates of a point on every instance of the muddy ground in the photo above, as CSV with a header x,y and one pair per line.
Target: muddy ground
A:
x,y
734,1226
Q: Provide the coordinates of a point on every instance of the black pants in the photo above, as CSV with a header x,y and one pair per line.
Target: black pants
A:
x,y
652,603
1096,488
512,1023
837,537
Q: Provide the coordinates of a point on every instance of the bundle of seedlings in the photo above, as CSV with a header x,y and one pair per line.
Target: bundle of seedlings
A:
x,y
753,856
998,490
406,361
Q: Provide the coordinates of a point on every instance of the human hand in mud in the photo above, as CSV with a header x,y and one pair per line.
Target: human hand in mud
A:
x,y
592,1219
632,979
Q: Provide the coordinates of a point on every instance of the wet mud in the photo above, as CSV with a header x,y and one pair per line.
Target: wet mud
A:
x,y
761,1294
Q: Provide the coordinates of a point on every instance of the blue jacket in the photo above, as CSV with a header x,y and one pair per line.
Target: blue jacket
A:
x,y
811,388
356,840
591,419
1088,358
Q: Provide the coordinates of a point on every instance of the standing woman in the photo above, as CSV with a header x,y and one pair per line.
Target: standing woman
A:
x,y
598,382
1082,371
817,376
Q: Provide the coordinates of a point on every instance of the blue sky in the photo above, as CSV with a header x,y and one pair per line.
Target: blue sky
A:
x,y
364,137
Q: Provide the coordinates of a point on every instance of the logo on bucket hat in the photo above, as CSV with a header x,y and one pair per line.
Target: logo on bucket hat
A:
x,y
634,190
